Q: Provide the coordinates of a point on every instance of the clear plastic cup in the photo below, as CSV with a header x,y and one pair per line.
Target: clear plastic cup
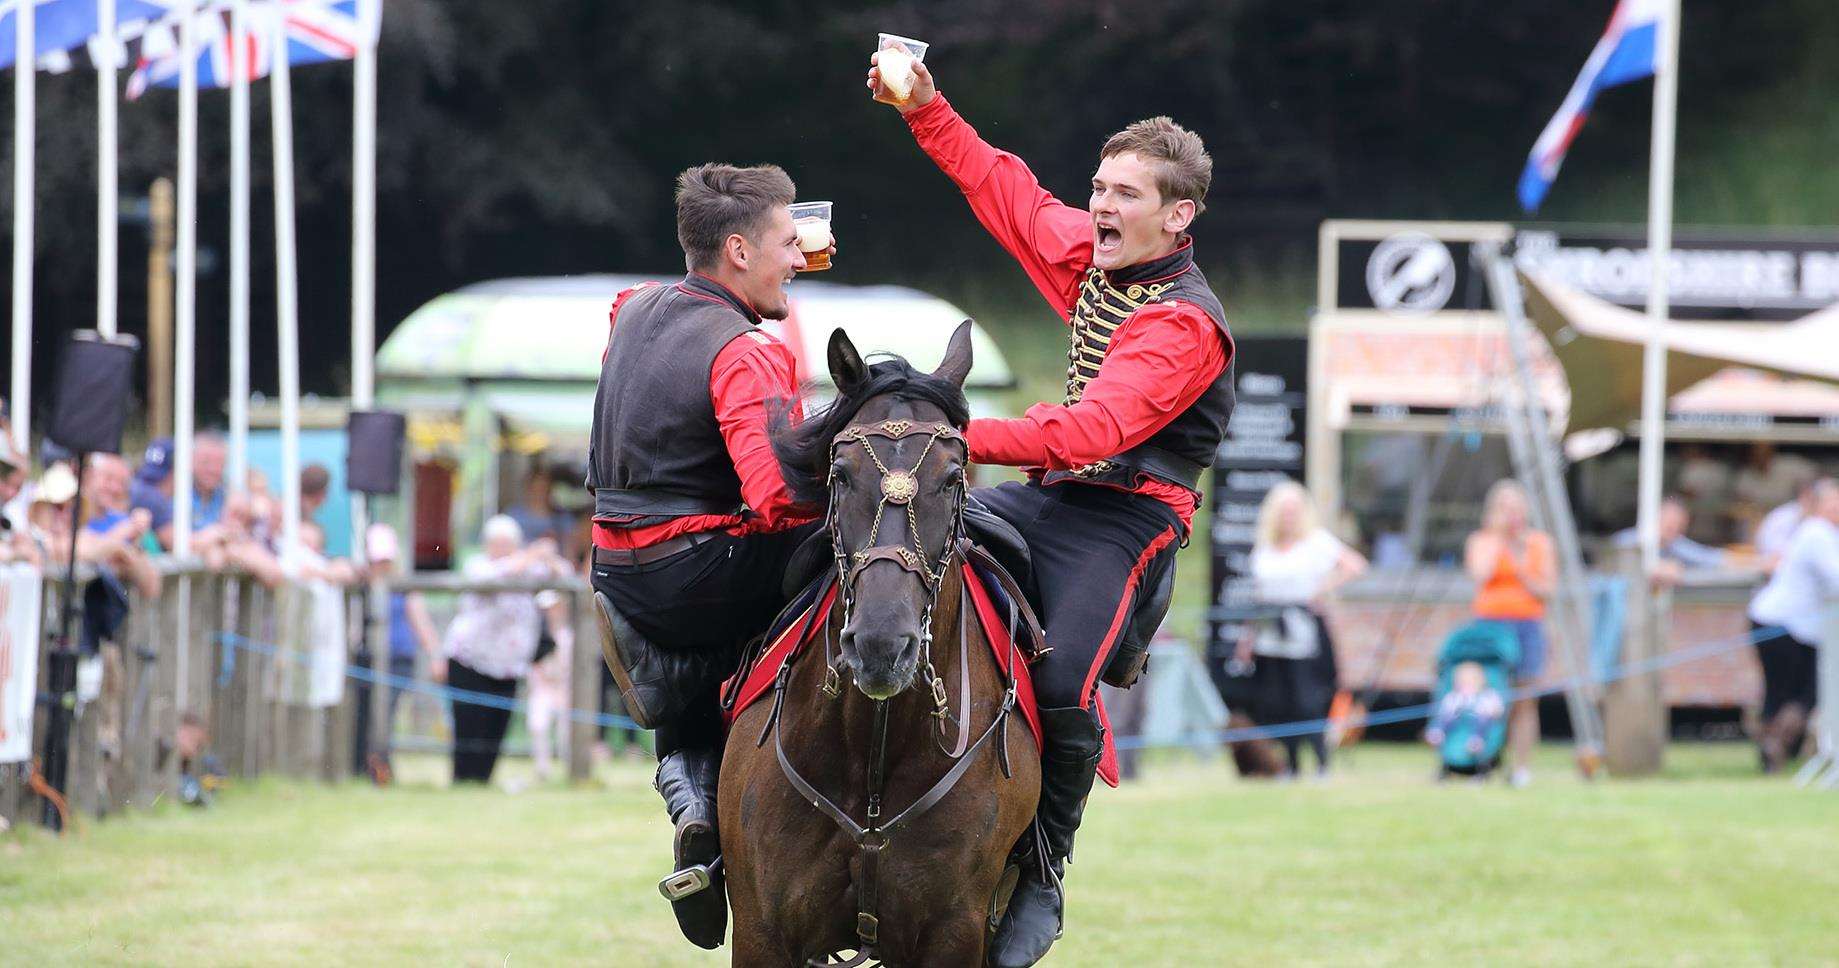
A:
x,y
898,55
812,220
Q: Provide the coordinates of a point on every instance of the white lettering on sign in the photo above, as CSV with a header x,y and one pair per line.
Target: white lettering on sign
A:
x,y
1746,278
1820,276
1263,384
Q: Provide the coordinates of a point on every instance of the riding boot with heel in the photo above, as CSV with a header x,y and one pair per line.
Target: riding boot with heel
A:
x,y
686,779
1074,742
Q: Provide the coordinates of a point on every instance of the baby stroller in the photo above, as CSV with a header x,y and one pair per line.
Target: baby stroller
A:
x,y
1496,649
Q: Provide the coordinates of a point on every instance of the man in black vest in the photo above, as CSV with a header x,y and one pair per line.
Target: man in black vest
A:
x,y
1114,470
693,524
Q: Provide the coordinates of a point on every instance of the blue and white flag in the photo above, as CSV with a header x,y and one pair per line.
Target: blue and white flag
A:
x,y
1626,53
61,26
318,31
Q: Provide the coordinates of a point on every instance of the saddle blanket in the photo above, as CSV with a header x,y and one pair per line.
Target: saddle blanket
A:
x,y
787,642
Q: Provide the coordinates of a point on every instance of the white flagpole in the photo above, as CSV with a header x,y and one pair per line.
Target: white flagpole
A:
x,y
239,247
1660,247
286,295
185,306
106,195
25,74
363,235
185,288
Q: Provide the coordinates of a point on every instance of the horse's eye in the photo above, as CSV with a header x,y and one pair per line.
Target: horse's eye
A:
x,y
839,475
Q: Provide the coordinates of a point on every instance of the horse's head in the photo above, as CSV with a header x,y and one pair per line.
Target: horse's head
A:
x,y
893,477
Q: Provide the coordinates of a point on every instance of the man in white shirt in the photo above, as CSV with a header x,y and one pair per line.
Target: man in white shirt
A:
x,y
1778,526
1793,606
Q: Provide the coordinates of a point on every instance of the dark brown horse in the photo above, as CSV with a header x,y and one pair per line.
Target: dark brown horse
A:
x,y
872,805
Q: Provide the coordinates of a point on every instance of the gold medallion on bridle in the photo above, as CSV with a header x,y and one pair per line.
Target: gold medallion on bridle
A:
x,y
899,487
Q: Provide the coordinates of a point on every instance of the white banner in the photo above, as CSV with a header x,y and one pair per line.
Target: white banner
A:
x,y
20,588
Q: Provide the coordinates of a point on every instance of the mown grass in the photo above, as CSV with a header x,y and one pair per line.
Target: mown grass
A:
x,y
1707,864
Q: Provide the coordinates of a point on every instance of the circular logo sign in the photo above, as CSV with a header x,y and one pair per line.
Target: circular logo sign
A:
x,y
1410,273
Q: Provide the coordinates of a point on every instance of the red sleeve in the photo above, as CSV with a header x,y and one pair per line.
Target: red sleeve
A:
x,y
613,314
1162,360
1052,240
750,375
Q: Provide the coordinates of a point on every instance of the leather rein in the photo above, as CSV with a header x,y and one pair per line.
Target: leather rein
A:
x,y
897,489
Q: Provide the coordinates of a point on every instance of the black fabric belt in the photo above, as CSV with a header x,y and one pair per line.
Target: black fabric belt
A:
x,y
1167,465
651,553
612,502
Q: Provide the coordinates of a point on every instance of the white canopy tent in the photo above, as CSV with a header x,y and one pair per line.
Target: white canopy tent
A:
x,y
1600,345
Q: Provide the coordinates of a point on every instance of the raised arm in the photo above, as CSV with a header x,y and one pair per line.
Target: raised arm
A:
x,y
1051,240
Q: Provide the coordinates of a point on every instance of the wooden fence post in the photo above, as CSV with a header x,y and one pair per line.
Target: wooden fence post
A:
x,y
583,686
1634,707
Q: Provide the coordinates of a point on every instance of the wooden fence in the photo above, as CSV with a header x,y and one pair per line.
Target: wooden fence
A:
x,y
236,654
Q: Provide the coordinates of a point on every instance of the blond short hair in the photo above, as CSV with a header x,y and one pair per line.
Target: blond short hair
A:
x,y
1178,156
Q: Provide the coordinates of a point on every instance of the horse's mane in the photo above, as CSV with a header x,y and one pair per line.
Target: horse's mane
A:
x,y
803,449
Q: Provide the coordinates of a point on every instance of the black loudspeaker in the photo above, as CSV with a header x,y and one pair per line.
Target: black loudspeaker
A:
x,y
373,451
93,384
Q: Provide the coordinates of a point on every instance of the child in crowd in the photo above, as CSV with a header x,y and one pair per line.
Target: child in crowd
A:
x,y
1470,701
547,686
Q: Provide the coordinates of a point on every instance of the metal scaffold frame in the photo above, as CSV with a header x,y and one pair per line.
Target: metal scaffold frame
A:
x,y
1537,462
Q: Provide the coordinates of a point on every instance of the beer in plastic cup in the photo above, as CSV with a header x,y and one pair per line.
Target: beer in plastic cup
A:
x,y
812,221
898,55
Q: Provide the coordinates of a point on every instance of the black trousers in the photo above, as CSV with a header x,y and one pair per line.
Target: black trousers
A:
x,y
1093,548
711,598
1790,673
478,731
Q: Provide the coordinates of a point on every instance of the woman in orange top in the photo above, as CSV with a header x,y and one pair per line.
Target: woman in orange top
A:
x,y
1514,572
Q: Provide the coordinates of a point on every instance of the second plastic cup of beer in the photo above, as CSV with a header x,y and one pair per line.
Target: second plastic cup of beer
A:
x,y
812,220
898,55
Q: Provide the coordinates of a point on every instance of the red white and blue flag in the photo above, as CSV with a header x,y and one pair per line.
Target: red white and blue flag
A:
x,y
318,31
1626,53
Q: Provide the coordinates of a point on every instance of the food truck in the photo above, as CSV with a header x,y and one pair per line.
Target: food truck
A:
x,y
498,378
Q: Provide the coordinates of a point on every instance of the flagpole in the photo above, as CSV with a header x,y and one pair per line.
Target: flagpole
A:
x,y
25,74
363,233
239,247
286,295
1660,247
185,323
106,168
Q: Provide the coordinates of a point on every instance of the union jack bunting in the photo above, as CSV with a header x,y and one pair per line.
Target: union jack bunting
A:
x,y
318,31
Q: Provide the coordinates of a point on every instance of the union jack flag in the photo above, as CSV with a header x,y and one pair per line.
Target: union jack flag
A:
x,y
318,31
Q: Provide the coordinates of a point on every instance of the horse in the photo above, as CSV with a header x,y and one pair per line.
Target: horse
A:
x,y
879,819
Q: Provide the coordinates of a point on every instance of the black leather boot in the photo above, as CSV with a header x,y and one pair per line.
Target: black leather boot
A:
x,y
1074,741
655,683
686,780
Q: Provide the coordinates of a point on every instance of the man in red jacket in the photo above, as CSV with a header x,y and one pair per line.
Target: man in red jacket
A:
x,y
693,522
1114,470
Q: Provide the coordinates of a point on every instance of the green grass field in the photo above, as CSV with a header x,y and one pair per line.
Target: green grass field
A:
x,y
1708,865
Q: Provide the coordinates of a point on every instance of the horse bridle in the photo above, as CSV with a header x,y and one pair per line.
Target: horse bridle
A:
x,y
898,488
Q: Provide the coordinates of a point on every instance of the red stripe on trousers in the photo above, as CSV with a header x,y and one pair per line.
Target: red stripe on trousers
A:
x,y
1123,609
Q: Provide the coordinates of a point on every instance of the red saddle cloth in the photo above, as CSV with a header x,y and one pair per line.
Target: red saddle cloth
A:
x,y
804,629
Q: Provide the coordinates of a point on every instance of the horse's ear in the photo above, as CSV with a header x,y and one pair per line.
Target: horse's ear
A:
x,y
957,363
847,370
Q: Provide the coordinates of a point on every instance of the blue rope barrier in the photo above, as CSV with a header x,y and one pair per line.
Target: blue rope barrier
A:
x,y
1240,734
409,683
1403,714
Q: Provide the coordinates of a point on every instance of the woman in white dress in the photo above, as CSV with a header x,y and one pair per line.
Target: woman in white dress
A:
x,y
1295,565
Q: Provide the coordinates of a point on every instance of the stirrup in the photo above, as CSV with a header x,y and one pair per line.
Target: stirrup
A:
x,y
690,881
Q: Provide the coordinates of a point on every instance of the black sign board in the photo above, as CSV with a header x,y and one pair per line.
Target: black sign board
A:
x,y
1263,446
1712,276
